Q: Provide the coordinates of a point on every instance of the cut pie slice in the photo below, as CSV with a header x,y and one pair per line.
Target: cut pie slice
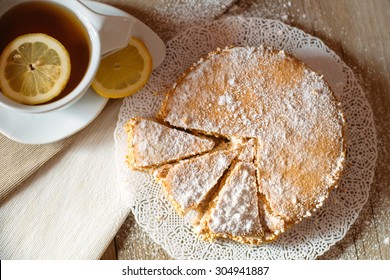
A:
x,y
190,181
235,213
152,144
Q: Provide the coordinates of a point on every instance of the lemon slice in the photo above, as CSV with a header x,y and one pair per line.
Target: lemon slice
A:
x,y
124,72
34,68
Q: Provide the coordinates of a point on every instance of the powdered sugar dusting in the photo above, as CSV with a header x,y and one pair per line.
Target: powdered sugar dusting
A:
x,y
307,141
248,152
236,211
169,17
189,181
258,84
152,143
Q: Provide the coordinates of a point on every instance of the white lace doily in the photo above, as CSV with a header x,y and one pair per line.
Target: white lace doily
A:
x,y
314,235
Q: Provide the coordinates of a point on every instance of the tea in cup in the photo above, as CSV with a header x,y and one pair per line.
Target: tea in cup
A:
x,y
86,36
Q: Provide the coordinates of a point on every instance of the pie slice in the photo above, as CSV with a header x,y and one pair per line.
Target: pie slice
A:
x,y
152,144
190,181
235,213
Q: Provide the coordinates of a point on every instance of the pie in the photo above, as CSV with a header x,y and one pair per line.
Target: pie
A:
x,y
268,144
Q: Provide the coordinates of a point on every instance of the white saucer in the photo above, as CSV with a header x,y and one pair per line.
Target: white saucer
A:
x,y
53,126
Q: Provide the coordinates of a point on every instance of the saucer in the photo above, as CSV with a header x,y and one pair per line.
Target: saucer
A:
x,y
53,126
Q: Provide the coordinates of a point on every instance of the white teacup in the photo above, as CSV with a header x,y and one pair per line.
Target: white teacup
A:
x,y
105,34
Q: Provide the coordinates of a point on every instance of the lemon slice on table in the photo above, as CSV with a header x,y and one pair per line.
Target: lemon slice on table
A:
x,y
34,68
124,72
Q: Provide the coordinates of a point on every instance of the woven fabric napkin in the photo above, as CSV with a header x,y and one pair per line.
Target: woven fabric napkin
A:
x,y
18,161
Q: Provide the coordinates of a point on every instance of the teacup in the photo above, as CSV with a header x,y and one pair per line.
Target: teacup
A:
x,y
104,34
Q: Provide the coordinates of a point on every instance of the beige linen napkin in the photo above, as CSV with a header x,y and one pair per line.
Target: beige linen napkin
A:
x,y
18,161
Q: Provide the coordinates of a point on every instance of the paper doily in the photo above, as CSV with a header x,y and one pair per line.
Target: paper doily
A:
x,y
313,236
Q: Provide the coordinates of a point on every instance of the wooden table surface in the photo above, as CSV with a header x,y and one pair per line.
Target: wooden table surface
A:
x,y
358,31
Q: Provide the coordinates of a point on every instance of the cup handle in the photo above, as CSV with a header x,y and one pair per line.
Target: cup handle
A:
x,y
114,31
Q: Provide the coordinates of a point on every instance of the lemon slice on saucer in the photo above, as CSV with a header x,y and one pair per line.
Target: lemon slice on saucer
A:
x,y
124,72
34,68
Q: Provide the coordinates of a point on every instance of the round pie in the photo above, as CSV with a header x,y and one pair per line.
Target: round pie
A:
x,y
256,141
